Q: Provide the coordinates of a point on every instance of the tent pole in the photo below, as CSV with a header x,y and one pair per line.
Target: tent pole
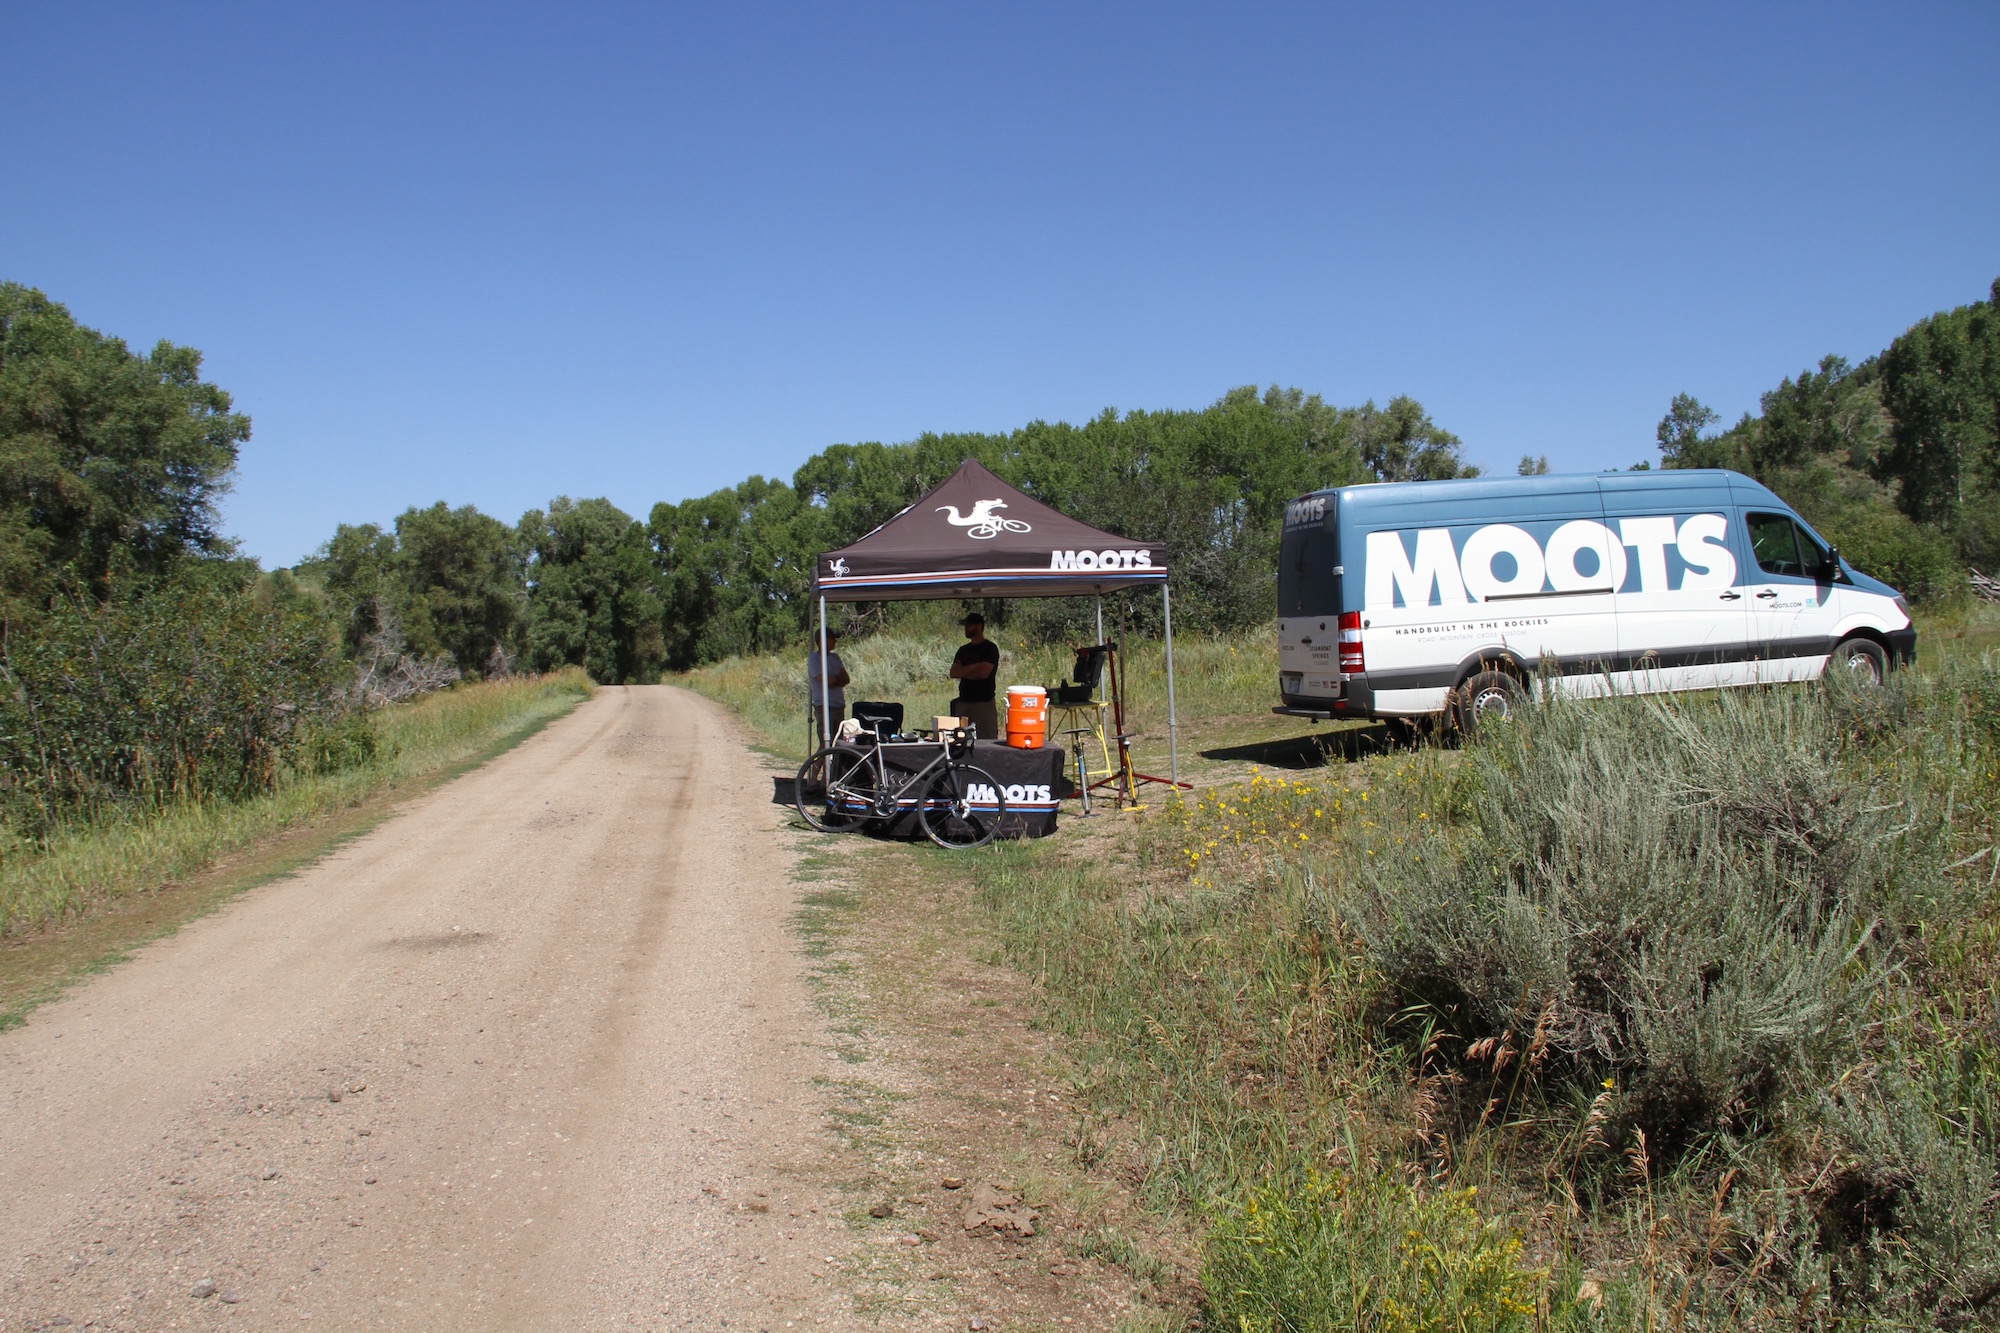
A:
x,y
1100,617
825,686
1173,726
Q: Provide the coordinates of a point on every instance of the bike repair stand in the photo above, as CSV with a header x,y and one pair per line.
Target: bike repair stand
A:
x,y
1125,783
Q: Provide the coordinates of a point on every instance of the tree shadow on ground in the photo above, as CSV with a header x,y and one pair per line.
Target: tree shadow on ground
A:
x,y
1313,750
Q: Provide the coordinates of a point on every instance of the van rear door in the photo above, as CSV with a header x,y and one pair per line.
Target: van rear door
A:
x,y
1309,592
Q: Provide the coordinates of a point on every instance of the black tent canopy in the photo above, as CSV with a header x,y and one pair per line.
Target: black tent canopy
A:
x,y
976,536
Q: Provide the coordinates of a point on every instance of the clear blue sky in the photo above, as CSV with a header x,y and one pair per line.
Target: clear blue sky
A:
x,y
491,254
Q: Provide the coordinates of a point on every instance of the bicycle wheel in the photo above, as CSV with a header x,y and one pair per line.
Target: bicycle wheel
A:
x,y
962,807
832,790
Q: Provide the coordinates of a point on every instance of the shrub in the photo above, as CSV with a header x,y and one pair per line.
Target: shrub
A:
x,y
336,746
1692,896
187,689
1332,1252
1901,1217
1922,563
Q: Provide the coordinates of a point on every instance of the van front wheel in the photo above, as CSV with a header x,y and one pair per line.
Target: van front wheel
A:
x,y
1490,696
1863,660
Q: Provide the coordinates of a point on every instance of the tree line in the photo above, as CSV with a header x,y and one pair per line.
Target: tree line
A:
x,y
1896,460
731,572
112,461
574,584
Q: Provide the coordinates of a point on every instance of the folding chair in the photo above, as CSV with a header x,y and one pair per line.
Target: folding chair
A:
x,y
884,719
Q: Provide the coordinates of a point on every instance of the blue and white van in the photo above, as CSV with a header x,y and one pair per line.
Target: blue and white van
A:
x,y
1418,599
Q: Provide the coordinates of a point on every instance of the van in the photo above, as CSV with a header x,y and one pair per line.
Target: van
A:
x,y
1430,599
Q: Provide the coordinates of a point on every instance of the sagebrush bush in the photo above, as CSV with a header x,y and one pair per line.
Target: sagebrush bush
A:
x,y
1718,921
1678,893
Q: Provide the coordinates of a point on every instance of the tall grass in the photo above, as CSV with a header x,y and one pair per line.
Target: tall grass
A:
x,y
82,866
188,688
1213,676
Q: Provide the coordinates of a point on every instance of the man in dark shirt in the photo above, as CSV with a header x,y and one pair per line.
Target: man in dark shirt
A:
x,y
974,668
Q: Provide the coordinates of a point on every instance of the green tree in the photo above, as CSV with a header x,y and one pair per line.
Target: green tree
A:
x,y
1895,460
737,568
459,584
355,570
1941,387
1212,484
1402,443
448,581
594,595
1682,437
111,463
1830,414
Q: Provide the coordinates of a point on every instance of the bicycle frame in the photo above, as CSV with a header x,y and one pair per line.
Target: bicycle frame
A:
x,y
884,798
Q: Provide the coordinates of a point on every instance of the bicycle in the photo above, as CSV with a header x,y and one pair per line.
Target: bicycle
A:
x,y
959,805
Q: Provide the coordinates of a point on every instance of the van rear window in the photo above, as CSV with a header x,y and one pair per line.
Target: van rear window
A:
x,y
1307,585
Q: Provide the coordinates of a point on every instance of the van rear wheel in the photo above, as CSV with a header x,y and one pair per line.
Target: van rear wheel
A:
x,y
1863,660
1490,696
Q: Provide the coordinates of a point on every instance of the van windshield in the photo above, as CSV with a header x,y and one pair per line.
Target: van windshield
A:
x,y
1307,585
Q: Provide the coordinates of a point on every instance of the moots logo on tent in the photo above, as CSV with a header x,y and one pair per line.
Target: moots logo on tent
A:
x,y
1100,559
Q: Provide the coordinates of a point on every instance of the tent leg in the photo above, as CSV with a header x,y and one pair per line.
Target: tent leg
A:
x,y
826,686
1173,724
1100,617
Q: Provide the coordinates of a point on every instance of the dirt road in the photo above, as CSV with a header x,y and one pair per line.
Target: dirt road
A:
x,y
534,1054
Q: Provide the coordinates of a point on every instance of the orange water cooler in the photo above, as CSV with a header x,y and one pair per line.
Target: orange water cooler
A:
x,y
1027,717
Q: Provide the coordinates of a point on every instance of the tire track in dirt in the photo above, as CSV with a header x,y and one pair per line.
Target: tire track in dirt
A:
x,y
564,994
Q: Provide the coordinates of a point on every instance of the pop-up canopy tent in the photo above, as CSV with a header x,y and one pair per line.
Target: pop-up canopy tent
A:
x,y
976,536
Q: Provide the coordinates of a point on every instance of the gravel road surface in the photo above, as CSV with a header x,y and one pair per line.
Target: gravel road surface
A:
x,y
535,1053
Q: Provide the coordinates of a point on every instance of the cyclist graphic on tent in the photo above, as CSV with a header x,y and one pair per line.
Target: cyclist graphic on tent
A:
x,y
981,523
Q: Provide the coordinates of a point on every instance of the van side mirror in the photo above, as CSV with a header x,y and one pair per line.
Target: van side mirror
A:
x,y
1831,569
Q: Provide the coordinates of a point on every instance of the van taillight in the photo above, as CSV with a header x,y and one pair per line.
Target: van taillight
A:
x,y
1351,661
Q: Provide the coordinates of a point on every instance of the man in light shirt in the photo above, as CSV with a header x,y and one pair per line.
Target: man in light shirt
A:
x,y
836,687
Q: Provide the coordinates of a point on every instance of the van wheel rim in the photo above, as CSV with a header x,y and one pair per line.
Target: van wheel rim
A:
x,y
1492,703
1862,665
